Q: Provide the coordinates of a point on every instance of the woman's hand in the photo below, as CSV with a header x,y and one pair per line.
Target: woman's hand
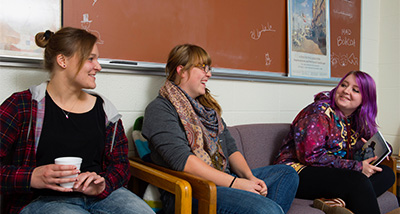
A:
x,y
90,183
48,176
365,141
369,169
261,183
254,185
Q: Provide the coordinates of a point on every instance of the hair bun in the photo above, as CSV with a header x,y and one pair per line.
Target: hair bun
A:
x,y
42,38
47,35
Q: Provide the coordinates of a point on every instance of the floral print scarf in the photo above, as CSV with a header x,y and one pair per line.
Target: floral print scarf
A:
x,y
202,125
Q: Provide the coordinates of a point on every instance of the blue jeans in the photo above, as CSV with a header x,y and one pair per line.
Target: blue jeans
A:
x,y
282,182
119,201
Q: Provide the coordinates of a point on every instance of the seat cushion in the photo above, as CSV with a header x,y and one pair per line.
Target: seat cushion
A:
x,y
303,206
259,143
387,202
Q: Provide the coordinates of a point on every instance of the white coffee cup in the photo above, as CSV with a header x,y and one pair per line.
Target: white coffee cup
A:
x,y
69,161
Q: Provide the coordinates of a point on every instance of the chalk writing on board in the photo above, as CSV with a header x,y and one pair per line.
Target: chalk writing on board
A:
x,y
256,34
344,39
346,32
343,13
343,59
268,59
349,2
85,23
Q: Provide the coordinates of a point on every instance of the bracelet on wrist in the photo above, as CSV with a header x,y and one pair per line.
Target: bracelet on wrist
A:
x,y
232,182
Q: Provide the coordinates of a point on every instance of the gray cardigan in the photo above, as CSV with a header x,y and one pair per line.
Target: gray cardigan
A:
x,y
167,138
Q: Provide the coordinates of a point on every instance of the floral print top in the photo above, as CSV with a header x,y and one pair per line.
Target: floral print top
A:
x,y
318,137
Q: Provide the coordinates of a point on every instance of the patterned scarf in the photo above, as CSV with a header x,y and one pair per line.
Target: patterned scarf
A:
x,y
202,125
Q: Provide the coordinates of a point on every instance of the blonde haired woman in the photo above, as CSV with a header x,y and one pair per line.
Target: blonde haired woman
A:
x,y
186,133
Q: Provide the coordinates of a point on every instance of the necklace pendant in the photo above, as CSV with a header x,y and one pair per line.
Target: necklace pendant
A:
x,y
66,114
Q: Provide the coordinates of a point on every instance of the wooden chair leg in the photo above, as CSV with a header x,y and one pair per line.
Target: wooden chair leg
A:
x,y
177,186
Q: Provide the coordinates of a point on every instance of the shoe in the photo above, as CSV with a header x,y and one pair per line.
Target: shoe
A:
x,y
395,211
331,206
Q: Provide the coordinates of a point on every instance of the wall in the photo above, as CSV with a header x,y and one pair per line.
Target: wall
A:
x,y
251,102
389,75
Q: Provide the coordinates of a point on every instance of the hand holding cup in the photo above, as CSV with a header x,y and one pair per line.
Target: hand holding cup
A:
x,y
51,175
76,161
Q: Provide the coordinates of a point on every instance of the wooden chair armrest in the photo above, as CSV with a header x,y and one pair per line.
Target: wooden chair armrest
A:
x,y
392,162
175,185
203,190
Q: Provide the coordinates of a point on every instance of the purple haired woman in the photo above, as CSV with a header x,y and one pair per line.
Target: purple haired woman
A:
x,y
324,140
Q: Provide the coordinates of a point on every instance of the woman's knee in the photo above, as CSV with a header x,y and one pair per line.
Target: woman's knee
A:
x,y
356,178
387,174
290,174
281,170
358,183
122,201
45,205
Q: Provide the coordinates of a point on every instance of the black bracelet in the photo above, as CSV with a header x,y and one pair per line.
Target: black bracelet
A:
x,y
232,182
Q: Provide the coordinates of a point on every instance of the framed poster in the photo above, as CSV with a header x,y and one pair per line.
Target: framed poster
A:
x,y
21,20
309,39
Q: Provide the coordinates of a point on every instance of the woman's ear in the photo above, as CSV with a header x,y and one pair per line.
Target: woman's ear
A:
x,y
61,60
180,70
180,74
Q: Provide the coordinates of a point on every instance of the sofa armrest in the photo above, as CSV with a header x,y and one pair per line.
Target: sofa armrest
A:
x,y
392,164
177,186
203,190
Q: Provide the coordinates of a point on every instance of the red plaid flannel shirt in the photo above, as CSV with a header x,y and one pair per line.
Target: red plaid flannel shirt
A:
x,y
18,158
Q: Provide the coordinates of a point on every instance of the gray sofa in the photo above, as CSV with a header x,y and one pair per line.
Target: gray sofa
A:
x,y
259,143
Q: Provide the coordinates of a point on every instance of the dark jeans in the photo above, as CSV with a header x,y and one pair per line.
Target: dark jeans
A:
x,y
357,190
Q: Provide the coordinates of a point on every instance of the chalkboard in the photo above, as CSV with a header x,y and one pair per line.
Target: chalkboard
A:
x,y
345,18
246,35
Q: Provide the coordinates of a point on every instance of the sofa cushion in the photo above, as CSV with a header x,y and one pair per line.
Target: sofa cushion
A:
x,y
387,202
259,143
303,206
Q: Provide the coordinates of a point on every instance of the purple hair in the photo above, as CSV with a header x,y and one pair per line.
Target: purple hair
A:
x,y
365,114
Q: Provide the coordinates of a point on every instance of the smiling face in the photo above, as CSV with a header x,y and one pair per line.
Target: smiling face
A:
x,y
193,81
85,77
348,97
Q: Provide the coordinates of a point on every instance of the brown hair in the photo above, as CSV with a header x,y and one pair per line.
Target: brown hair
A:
x,y
188,56
67,41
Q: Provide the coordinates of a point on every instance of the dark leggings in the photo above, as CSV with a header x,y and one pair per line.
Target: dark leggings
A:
x,y
357,190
